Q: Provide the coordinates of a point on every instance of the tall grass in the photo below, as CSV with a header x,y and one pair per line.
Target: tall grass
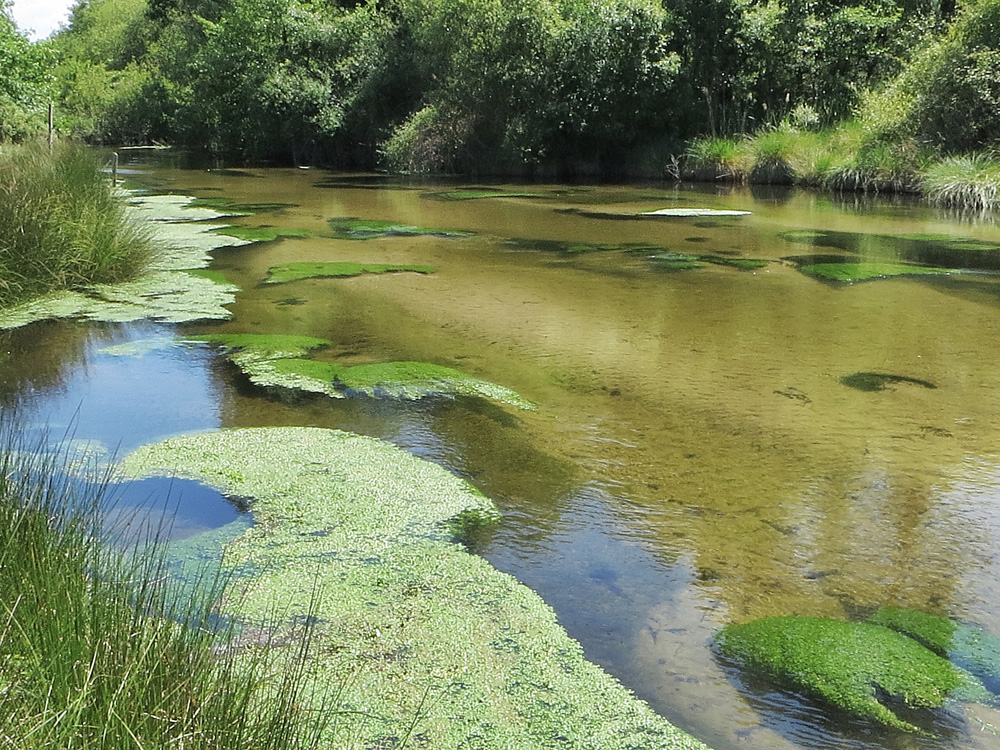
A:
x,y
97,653
970,182
61,224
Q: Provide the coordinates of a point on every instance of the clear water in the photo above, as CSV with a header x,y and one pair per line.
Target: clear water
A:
x,y
695,458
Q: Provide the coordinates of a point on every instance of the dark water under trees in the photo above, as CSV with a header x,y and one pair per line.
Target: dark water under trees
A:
x,y
712,444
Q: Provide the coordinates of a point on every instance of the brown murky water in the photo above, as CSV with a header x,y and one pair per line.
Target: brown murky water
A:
x,y
695,458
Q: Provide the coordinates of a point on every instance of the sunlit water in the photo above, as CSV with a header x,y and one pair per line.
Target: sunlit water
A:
x,y
694,459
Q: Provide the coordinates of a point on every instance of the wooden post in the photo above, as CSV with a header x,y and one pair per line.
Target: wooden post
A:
x,y
114,169
52,124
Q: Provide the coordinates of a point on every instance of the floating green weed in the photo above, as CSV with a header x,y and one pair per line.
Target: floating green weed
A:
x,y
277,361
743,264
853,272
968,647
367,229
414,635
850,665
297,271
473,194
229,207
576,248
670,261
262,234
879,381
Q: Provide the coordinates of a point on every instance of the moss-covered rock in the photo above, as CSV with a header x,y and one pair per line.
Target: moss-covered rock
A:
x,y
413,636
853,666
288,272
964,645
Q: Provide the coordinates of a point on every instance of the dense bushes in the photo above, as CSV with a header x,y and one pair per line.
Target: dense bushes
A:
x,y
24,84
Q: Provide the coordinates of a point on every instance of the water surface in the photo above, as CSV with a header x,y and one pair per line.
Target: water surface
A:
x,y
696,457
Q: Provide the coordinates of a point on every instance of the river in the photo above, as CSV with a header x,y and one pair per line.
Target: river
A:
x,y
700,453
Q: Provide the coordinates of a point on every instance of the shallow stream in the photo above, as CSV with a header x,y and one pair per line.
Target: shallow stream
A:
x,y
700,453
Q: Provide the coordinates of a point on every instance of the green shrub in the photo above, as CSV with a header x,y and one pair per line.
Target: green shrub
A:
x,y
971,181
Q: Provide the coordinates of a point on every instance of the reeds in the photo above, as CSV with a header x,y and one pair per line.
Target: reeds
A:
x,y
61,224
99,652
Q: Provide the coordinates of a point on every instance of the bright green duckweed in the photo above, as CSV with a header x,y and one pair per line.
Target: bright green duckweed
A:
x,y
850,273
415,637
849,665
288,272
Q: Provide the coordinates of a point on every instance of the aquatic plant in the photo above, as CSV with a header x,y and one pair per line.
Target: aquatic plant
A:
x,y
62,226
261,234
567,247
969,647
471,194
879,381
168,291
229,207
850,273
413,635
100,650
853,666
279,361
288,272
367,229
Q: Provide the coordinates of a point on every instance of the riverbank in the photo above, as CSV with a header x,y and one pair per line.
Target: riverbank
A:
x,y
62,225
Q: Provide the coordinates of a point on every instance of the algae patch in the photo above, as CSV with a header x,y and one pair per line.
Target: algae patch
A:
x,y
853,666
275,361
850,273
288,272
366,229
967,646
413,635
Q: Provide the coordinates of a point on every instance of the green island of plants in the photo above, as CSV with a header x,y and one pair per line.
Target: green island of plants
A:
x,y
850,273
415,639
368,229
472,194
969,647
262,233
288,272
277,361
853,666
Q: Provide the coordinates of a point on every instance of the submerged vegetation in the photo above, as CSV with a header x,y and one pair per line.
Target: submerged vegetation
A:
x,y
62,227
288,272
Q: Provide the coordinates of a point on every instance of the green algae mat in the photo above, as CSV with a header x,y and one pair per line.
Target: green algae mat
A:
x,y
288,272
279,361
414,639
862,668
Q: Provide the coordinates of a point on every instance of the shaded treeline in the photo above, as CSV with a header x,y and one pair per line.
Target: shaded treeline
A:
x,y
523,86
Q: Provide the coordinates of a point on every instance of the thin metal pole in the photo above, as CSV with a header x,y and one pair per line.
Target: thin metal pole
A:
x,y
52,124
114,169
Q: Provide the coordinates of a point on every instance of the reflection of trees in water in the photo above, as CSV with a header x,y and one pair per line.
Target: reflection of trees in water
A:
x,y
41,357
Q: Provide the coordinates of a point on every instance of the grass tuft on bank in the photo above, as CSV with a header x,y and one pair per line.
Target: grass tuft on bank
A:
x,y
61,225
99,650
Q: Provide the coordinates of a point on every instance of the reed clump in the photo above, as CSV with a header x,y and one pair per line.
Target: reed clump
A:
x,y
98,651
969,181
62,225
